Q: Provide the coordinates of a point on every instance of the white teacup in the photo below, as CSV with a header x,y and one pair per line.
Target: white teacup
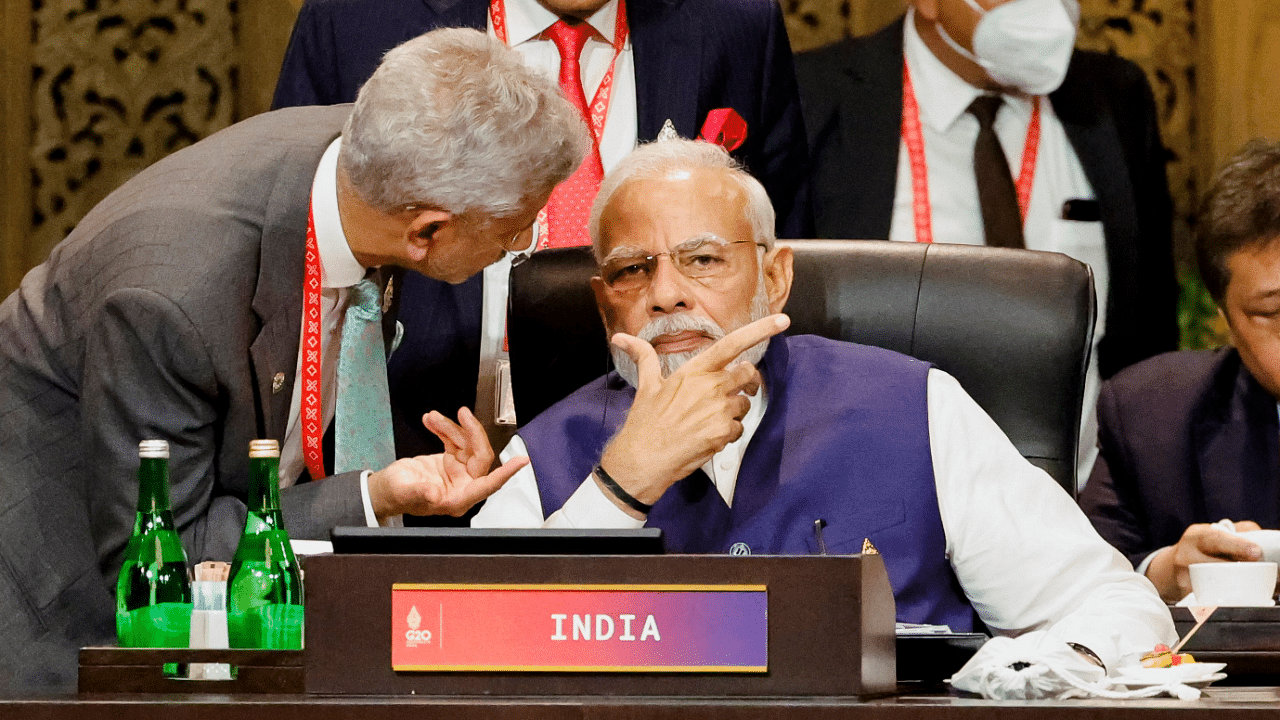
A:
x,y
1234,584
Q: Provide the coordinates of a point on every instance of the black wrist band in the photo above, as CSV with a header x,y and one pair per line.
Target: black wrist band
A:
x,y
621,494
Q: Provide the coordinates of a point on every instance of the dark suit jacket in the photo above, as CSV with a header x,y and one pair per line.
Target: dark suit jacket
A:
x,y
167,313
691,56
852,98
1185,437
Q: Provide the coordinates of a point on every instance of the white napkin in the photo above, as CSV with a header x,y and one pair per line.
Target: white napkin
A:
x,y
310,547
1037,666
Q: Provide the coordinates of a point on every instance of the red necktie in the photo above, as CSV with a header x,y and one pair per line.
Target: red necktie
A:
x,y
570,204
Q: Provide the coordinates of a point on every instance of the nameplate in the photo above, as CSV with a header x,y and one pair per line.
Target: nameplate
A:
x,y
580,628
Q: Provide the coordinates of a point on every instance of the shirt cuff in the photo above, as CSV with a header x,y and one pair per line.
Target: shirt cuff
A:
x,y
371,518
589,507
1146,561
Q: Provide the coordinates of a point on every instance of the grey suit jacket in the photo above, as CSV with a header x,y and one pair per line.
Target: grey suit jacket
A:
x,y
165,314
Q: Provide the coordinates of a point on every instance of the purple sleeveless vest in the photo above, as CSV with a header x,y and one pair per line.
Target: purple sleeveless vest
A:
x,y
845,439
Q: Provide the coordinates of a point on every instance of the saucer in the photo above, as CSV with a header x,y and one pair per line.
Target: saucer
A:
x,y
1190,601
1199,683
1187,674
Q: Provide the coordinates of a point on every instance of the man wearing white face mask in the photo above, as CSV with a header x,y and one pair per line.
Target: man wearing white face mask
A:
x,y
976,121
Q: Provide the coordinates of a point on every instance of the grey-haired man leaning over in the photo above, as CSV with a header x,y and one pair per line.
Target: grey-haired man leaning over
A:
x,y
175,311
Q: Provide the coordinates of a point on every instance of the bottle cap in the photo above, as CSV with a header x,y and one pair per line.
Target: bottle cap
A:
x,y
154,449
264,448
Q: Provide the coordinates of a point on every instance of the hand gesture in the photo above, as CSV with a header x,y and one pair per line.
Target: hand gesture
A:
x,y
1201,542
677,423
448,483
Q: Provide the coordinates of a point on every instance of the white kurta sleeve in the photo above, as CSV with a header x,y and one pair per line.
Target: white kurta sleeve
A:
x,y
1024,553
517,503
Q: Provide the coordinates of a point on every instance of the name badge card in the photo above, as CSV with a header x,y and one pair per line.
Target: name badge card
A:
x,y
582,628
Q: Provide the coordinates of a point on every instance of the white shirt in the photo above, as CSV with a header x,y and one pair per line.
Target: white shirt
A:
x,y
949,134
339,270
526,21
1025,555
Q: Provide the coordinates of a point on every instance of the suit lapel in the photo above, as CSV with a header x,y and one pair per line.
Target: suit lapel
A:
x,y
277,300
667,53
1093,134
1238,439
460,13
389,279
764,463
871,125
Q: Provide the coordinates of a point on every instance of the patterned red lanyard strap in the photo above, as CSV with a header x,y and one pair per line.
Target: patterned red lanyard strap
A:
x,y
309,412
913,136
599,102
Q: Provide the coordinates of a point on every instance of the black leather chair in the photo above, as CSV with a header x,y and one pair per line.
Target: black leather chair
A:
x,y
1013,326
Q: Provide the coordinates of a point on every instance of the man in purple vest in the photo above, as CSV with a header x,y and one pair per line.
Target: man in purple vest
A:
x,y
735,439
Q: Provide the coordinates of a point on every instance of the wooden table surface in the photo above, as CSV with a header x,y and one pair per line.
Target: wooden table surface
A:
x,y
1218,704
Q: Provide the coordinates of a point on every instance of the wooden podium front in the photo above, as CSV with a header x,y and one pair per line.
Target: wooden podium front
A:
x,y
830,623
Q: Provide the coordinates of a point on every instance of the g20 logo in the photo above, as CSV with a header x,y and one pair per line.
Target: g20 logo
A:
x,y
417,637
414,637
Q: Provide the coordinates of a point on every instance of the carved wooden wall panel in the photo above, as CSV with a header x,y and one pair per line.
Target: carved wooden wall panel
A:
x,y
262,34
814,23
119,84
1240,61
15,139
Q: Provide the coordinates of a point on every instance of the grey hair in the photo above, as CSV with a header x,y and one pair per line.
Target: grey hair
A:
x,y
656,159
455,120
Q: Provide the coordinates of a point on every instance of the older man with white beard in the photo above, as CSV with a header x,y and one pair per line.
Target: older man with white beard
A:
x,y
734,438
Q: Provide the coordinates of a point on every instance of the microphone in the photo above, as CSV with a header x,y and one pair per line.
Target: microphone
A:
x,y
817,531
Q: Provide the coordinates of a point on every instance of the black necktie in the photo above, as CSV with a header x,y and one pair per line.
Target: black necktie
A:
x,y
1001,219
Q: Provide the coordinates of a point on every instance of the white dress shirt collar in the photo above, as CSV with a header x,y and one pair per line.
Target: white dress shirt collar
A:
x,y
943,96
339,267
527,19
723,467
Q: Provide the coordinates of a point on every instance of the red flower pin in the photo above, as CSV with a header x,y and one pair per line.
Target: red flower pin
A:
x,y
724,127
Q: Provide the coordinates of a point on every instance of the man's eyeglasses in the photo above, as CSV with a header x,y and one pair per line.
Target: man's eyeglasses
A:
x,y
700,258
519,256
472,227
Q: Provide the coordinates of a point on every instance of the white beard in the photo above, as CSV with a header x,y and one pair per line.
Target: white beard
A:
x,y
671,324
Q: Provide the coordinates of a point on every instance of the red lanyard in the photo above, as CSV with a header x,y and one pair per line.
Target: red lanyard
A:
x,y
604,92
309,412
913,136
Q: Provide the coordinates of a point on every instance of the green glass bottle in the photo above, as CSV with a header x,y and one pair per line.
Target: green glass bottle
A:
x,y
264,590
153,592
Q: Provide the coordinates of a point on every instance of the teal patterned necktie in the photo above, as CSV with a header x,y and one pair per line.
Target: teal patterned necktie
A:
x,y
362,437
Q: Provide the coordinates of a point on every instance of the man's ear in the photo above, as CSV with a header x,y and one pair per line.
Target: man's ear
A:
x,y
597,287
778,273
425,230
1224,322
